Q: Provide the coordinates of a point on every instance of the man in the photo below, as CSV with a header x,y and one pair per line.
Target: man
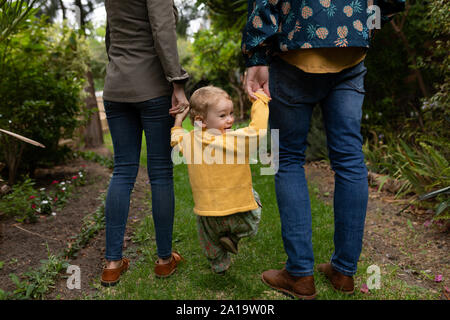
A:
x,y
303,53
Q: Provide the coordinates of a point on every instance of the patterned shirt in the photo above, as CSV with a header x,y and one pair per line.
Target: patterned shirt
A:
x,y
283,25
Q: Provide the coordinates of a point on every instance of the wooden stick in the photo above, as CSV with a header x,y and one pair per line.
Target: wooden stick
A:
x,y
34,233
18,136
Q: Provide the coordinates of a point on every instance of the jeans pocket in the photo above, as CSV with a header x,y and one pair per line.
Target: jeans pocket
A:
x,y
356,77
290,84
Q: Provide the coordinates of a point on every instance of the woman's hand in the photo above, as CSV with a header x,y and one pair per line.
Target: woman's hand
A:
x,y
179,100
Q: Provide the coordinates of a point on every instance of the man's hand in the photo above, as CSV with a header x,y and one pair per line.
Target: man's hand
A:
x,y
179,100
257,78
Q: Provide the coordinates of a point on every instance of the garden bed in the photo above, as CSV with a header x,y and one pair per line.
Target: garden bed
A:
x,y
24,245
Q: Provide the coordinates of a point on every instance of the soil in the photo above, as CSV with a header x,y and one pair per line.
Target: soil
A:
x,y
395,237
420,251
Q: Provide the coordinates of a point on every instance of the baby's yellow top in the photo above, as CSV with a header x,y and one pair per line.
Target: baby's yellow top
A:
x,y
218,164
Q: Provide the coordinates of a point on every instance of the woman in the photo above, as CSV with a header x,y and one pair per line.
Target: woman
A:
x,y
144,85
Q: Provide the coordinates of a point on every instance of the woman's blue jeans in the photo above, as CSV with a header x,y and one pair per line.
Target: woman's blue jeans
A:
x,y
126,122
340,95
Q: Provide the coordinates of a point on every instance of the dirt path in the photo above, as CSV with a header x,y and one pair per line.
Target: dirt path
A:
x,y
22,246
91,258
393,238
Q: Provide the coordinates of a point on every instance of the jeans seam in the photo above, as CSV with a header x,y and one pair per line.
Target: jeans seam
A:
x,y
342,270
113,258
300,274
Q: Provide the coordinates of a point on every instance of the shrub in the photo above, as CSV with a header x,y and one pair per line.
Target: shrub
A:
x,y
18,203
41,90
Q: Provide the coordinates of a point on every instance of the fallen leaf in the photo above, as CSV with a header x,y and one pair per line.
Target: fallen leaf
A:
x,y
364,288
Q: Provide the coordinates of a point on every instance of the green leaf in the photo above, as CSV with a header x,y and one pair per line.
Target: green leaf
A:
x,y
15,279
30,289
410,225
442,206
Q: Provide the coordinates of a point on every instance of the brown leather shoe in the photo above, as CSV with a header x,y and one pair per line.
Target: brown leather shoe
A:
x,y
229,244
340,281
167,269
110,277
281,280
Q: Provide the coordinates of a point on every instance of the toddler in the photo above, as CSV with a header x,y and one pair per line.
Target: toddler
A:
x,y
217,158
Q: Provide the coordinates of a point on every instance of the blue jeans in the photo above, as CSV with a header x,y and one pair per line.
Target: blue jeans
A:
x,y
340,96
126,122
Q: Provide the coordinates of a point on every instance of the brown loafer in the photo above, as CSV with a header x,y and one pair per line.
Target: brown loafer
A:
x,y
110,277
281,280
167,269
340,281
229,244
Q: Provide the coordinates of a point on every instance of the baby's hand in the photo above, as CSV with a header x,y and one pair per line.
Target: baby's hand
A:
x,y
179,117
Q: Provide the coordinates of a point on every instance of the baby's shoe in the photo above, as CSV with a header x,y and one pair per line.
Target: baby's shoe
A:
x,y
229,244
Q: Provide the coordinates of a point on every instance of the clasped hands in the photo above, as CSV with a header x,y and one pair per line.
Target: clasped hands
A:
x,y
180,104
256,78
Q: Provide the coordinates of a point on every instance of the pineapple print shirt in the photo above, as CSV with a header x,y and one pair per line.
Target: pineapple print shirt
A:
x,y
282,25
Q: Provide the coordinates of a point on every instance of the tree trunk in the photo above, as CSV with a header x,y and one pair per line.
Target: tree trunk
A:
x,y
412,54
63,9
93,135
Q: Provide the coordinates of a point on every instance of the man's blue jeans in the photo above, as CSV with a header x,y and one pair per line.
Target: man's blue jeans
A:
x,y
340,95
126,122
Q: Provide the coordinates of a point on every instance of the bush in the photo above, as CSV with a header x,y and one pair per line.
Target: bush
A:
x,y
18,203
421,167
41,91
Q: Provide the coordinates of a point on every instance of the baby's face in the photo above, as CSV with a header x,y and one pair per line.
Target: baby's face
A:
x,y
220,116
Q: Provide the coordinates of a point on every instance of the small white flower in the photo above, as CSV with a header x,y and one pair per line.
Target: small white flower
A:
x,y
367,116
53,213
42,189
63,182
44,202
63,189
39,210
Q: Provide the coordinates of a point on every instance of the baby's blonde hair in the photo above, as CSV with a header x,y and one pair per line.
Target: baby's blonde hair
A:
x,y
202,99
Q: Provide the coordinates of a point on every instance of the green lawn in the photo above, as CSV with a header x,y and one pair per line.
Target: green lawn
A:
x,y
195,280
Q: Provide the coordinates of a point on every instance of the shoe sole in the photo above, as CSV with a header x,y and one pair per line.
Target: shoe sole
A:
x,y
109,284
228,246
167,275
289,293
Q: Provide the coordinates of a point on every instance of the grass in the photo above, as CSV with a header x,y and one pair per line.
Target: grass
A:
x,y
194,279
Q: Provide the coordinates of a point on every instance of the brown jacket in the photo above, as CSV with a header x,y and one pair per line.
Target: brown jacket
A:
x,y
142,49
